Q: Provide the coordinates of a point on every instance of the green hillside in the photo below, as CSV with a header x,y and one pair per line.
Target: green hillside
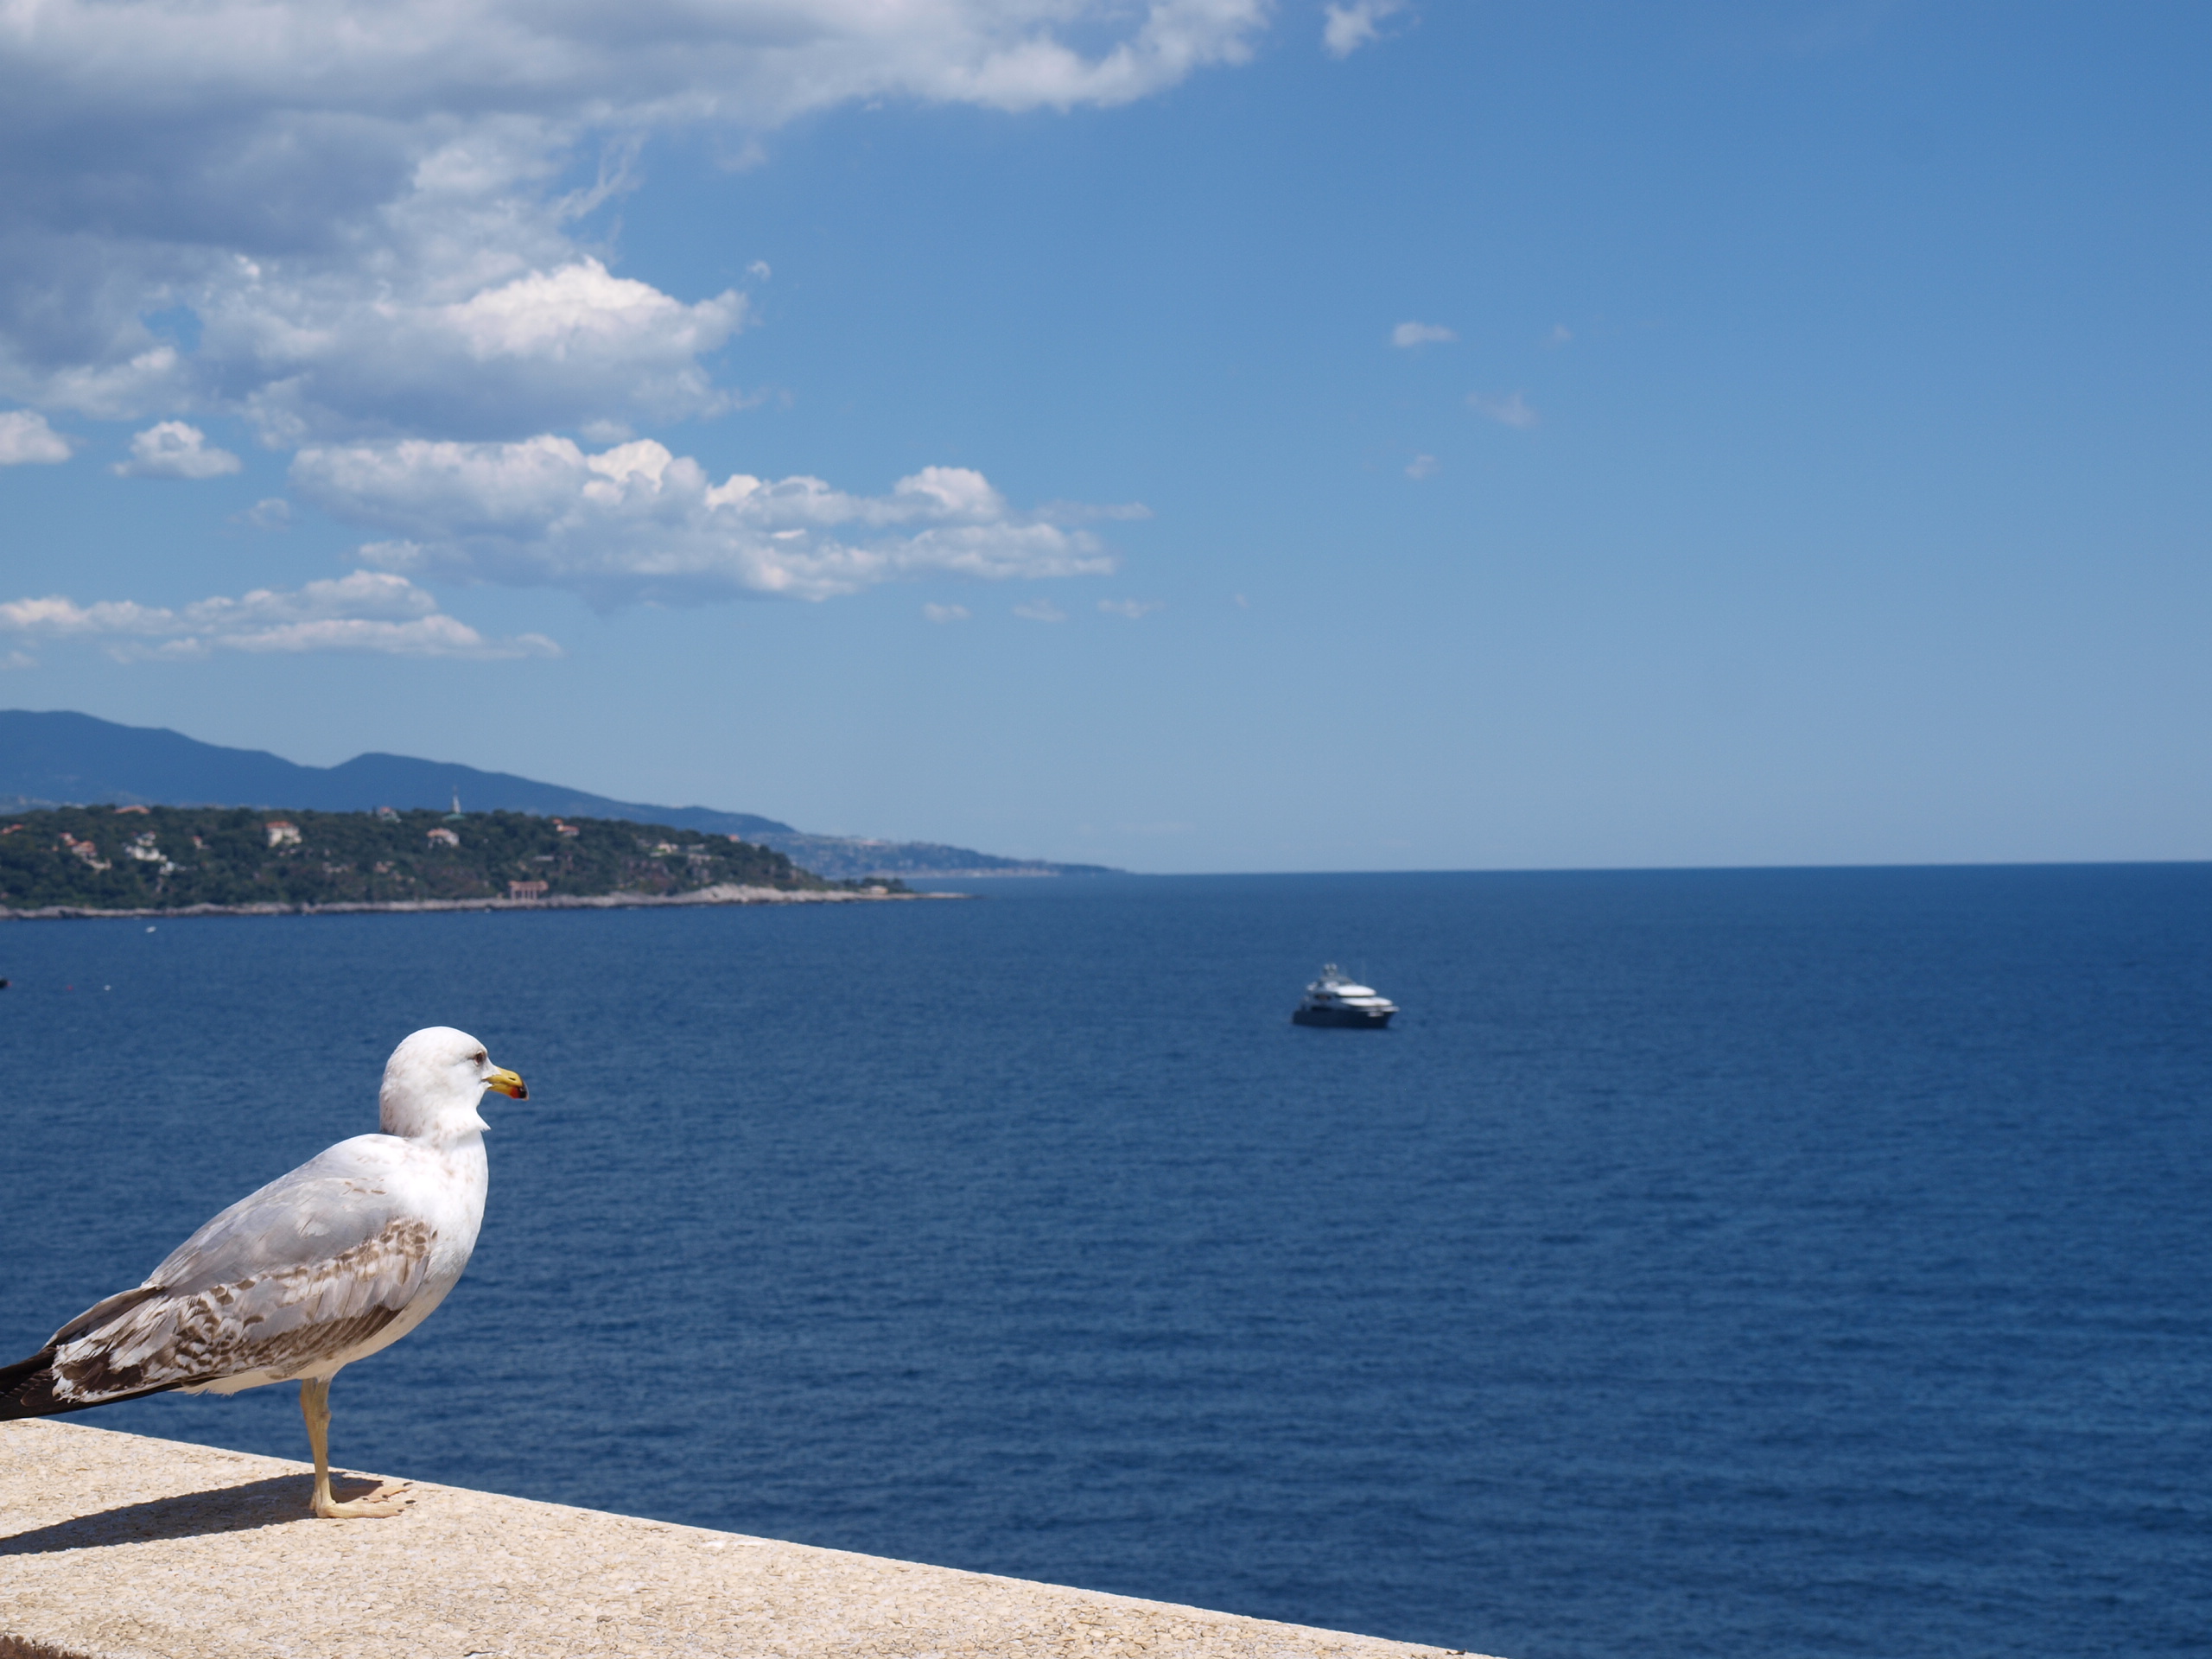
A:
x,y
166,858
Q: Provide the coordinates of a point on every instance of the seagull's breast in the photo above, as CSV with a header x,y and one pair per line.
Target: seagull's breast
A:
x,y
443,1187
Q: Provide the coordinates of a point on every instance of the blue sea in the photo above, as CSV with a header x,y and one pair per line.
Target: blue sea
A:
x,y
1774,1262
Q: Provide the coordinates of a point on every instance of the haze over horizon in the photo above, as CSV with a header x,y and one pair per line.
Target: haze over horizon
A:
x,y
1213,435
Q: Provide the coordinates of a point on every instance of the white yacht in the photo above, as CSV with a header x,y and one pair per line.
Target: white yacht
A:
x,y
1332,1000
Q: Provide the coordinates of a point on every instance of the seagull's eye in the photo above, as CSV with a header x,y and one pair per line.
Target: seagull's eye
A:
x,y
481,1056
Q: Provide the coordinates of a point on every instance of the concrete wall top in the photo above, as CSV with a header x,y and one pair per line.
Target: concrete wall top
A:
x,y
119,1547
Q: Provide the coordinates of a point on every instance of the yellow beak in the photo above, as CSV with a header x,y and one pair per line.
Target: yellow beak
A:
x,y
507,1084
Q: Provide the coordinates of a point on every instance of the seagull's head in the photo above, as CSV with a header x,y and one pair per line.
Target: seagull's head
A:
x,y
433,1081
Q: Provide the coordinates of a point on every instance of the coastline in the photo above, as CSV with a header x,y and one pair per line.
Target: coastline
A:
x,y
723,895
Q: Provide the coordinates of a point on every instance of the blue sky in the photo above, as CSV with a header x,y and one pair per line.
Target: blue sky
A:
x,y
1564,436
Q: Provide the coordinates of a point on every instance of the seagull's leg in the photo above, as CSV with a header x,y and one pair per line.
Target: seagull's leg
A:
x,y
314,1406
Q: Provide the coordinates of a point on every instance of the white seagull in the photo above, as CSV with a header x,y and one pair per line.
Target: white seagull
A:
x,y
320,1268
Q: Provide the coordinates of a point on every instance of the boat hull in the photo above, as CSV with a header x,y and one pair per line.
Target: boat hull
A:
x,y
1344,1019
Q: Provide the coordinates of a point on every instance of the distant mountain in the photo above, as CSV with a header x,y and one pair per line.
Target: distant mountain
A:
x,y
62,758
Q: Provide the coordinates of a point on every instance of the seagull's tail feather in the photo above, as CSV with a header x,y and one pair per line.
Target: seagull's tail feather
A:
x,y
27,1386
27,1390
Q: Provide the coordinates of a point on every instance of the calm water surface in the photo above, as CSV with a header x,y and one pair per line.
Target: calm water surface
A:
x,y
1710,1263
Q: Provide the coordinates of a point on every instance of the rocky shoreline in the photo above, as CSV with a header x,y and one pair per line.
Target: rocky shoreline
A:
x,y
715,896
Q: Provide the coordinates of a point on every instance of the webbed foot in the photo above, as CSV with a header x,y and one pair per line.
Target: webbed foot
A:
x,y
384,1501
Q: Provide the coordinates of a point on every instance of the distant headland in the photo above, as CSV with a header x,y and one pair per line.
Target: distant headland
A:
x,y
165,860
58,758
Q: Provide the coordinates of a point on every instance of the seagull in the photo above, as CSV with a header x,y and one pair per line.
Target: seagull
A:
x,y
322,1266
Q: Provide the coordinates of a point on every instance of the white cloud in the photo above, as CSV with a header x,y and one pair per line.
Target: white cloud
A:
x,y
1510,410
638,523
570,346
1422,333
945,613
350,218
1346,28
1421,466
1559,335
1131,608
271,512
27,440
15,659
173,449
368,611
1040,610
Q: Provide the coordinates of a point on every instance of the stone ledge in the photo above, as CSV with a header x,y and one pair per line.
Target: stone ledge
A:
x,y
118,1547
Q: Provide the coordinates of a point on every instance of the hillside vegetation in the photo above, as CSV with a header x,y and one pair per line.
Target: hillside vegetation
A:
x,y
163,858
51,758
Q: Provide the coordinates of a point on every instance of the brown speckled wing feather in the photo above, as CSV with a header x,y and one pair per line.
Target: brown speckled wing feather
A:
x,y
282,1321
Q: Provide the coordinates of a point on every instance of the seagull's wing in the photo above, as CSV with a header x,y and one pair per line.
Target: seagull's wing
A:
x,y
314,1264
327,1206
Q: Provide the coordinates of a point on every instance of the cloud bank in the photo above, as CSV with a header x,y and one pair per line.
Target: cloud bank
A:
x,y
636,522
1345,29
368,611
174,449
26,440
1510,409
345,219
359,229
